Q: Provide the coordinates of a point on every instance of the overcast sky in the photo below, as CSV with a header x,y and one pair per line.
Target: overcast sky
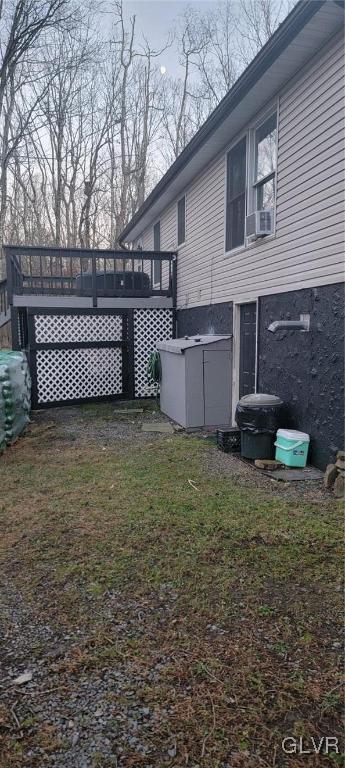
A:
x,y
155,18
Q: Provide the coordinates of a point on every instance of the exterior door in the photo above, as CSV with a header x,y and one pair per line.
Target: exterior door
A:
x,y
217,389
247,349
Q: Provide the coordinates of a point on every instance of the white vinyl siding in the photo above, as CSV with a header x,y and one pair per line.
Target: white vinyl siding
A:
x,y
307,249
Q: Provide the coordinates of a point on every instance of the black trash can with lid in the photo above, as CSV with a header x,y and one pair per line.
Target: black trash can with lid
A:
x,y
258,416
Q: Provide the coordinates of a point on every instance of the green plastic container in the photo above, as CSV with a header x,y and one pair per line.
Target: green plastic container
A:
x,y
292,447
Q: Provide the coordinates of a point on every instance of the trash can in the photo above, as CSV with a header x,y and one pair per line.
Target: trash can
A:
x,y
258,417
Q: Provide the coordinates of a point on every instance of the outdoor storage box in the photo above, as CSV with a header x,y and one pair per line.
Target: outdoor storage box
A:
x,y
292,447
195,388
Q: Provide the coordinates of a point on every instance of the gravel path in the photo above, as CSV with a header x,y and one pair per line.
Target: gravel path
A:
x,y
85,718
104,424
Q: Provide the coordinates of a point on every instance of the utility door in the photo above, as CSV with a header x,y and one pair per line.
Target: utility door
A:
x,y
247,349
217,387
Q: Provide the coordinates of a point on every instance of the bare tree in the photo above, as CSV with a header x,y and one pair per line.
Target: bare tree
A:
x,y
23,24
256,20
88,125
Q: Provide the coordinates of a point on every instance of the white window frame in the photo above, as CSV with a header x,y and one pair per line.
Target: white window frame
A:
x,y
232,145
252,184
249,133
180,245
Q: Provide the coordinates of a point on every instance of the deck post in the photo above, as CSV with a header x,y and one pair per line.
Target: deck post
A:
x,y
94,281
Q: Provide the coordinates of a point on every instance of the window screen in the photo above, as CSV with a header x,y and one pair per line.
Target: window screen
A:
x,y
236,196
181,220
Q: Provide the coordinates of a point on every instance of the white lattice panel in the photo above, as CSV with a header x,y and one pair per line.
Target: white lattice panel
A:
x,y
150,326
67,374
51,329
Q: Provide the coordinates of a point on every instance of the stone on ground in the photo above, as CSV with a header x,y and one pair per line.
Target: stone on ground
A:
x,y
158,426
330,475
339,487
128,411
267,464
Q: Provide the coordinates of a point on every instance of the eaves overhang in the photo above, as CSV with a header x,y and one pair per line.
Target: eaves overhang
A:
x,y
302,34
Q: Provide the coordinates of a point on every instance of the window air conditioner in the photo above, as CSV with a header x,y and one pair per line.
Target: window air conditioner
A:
x,y
259,223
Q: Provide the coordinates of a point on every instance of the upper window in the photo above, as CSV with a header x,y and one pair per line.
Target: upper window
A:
x,y
265,163
157,247
181,220
236,195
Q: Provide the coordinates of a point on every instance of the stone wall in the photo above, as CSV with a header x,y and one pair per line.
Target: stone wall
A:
x,y
307,369
212,318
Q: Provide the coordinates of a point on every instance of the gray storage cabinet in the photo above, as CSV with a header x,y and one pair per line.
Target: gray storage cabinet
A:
x,y
195,389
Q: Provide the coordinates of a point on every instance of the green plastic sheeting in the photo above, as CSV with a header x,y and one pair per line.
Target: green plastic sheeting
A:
x,y
15,396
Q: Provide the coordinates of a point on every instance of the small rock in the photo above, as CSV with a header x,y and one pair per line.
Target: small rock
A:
x,y
70,724
270,464
75,739
339,487
26,677
99,712
172,751
330,476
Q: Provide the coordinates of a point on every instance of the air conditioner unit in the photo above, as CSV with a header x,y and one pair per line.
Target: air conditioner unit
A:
x,y
259,223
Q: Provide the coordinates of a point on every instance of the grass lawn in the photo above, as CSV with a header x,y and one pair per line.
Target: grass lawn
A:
x,y
219,604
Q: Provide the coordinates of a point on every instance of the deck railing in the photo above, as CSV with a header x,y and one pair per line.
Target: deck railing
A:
x,y
96,273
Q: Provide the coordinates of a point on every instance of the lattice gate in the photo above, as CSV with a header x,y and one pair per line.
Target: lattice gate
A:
x,y
85,355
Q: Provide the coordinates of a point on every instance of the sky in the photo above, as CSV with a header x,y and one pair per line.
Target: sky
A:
x,y
155,17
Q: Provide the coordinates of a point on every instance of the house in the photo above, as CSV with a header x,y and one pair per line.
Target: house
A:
x,y
275,144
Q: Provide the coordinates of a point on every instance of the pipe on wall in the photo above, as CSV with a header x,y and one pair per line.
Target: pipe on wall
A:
x,y
303,324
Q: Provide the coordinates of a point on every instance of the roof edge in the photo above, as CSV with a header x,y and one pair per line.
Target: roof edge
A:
x,y
302,12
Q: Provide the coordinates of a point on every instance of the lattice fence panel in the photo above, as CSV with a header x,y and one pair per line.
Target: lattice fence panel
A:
x,y
150,326
51,329
68,374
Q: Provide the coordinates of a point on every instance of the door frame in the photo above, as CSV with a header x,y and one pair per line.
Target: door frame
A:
x,y
236,319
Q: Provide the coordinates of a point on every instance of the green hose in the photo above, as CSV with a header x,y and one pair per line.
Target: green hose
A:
x,y
154,371
154,368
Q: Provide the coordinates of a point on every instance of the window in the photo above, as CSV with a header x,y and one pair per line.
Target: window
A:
x,y
157,247
181,220
236,195
265,154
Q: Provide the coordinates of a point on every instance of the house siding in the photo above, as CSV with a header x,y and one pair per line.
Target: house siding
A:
x,y
307,248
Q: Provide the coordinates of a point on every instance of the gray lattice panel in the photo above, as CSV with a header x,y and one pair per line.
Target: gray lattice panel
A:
x,y
51,329
70,374
150,326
